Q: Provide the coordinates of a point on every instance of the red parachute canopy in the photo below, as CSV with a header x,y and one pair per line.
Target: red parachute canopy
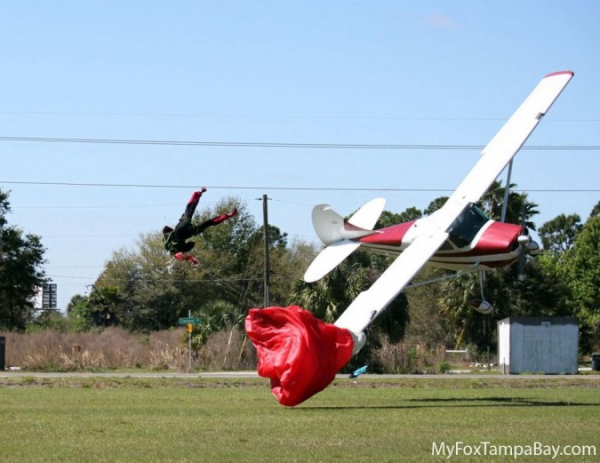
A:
x,y
298,352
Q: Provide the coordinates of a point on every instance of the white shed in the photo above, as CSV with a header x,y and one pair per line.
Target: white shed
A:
x,y
546,345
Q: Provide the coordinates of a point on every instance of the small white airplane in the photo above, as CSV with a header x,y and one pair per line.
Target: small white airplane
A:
x,y
458,236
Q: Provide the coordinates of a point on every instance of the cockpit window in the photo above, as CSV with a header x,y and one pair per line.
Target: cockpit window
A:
x,y
467,225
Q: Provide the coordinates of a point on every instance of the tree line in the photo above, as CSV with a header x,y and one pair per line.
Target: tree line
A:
x,y
140,290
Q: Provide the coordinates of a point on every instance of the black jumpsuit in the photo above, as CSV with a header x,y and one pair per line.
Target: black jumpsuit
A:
x,y
175,240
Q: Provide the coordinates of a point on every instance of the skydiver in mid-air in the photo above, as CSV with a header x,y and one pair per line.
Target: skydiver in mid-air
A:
x,y
175,239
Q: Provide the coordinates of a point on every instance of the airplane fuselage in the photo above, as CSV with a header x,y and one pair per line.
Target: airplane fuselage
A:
x,y
475,242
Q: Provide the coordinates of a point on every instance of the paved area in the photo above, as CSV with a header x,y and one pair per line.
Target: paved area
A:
x,y
253,374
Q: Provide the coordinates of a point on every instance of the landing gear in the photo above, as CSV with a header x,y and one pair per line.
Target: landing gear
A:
x,y
482,305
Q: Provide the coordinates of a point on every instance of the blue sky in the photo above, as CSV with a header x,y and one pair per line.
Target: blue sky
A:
x,y
335,72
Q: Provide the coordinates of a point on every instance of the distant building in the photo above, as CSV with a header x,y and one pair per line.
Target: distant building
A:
x,y
547,345
45,297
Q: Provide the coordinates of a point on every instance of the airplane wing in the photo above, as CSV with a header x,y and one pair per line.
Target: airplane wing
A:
x,y
432,230
503,147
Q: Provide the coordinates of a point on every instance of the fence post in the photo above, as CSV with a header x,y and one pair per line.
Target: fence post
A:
x,y
2,352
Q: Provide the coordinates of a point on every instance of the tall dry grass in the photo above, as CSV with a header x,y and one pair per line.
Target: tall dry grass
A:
x,y
413,358
115,348
227,350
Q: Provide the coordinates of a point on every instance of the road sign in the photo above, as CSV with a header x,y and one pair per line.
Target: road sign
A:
x,y
185,321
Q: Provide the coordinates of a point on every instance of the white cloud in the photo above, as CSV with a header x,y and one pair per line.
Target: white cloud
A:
x,y
438,20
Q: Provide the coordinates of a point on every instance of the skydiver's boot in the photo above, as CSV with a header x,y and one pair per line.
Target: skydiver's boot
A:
x,y
224,217
196,195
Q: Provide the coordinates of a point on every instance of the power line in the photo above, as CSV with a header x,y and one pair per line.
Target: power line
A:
x,y
284,188
280,145
227,187
192,280
96,207
273,116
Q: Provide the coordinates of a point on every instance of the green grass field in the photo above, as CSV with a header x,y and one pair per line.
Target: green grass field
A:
x,y
208,420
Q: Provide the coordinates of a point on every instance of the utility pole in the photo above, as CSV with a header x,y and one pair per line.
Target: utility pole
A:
x,y
267,263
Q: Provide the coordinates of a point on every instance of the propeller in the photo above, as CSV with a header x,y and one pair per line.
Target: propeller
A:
x,y
524,241
526,246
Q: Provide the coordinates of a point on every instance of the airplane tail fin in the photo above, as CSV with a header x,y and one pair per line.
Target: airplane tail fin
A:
x,y
338,235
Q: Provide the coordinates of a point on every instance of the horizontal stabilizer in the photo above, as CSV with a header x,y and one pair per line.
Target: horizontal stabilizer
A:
x,y
366,217
328,259
337,234
331,227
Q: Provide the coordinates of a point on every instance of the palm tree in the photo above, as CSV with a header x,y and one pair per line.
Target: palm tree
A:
x,y
518,210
